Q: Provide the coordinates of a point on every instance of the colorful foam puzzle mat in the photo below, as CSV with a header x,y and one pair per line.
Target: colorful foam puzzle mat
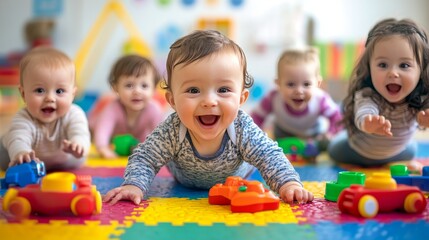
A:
x,y
172,211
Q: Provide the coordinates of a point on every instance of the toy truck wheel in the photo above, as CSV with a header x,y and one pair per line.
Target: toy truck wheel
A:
x,y
368,206
20,207
8,197
414,203
82,205
97,200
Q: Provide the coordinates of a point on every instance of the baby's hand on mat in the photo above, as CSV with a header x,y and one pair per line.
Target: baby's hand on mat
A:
x,y
24,157
106,152
73,148
423,118
377,124
126,192
293,191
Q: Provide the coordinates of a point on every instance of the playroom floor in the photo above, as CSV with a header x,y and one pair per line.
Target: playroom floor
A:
x,y
175,212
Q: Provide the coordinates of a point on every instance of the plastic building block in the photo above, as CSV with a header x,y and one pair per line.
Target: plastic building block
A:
x,y
23,174
243,195
402,176
380,193
345,179
297,149
58,192
124,144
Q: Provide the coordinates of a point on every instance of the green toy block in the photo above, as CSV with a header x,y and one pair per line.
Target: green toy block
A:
x,y
345,179
124,144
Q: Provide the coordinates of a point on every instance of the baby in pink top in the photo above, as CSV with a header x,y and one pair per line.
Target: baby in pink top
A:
x,y
134,79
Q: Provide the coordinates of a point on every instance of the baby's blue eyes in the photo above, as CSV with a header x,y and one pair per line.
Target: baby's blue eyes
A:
x,y
41,90
307,84
132,85
196,90
223,90
193,90
402,65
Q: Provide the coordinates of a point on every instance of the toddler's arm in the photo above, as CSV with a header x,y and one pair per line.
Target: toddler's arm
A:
x,y
423,118
376,124
125,192
293,191
74,148
78,139
23,157
107,152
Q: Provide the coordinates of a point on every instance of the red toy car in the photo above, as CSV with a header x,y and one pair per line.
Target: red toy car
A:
x,y
243,195
57,192
380,194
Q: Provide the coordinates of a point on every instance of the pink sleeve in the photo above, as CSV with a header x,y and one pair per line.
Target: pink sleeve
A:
x,y
150,119
264,108
332,111
105,124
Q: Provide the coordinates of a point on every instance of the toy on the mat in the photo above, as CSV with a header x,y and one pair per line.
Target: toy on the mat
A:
x,y
124,144
298,150
381,193
23,174
345,179
402,176
57,193
243,195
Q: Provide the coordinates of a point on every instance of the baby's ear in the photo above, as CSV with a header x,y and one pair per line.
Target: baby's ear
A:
x,y
244,96
21,92
319,80
74,91
170,99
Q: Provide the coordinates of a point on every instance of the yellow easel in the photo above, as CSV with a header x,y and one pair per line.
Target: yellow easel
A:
x,y
135,44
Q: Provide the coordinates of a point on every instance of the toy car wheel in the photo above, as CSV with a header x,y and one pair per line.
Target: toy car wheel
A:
x,y
97,199
8,197
20,207
414,203
82,205
368,206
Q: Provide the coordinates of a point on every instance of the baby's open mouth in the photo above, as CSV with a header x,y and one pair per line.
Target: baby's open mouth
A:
x,y
298,101
208,120
393,88
48,110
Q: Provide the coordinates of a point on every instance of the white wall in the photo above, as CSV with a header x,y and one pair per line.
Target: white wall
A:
x,y
273,23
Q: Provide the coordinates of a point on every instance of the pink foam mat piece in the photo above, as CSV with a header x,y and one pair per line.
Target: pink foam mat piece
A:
x,y
119,212
323,210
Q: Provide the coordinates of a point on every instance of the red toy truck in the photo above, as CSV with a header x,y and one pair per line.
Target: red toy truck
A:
x,y
58,192
380,194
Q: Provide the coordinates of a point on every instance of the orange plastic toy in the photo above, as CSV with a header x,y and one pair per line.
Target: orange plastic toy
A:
x,y
58,192
243,196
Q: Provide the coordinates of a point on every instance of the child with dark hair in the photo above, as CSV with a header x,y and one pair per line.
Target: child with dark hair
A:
x,y
208,137
134,79
387,97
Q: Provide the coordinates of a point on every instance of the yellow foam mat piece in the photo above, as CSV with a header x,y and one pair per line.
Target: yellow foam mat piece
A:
x,y
317,188
179,211
58,229
101,162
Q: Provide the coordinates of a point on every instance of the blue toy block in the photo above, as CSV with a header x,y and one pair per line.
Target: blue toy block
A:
x,y
402,176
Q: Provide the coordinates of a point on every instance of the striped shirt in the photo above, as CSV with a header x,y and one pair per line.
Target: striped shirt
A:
x,y
27,133
244,145
374,146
